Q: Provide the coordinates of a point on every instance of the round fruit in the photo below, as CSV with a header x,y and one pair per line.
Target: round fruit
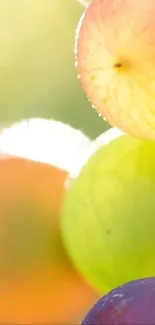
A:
x,y
116,62
131,303
108,218
38,283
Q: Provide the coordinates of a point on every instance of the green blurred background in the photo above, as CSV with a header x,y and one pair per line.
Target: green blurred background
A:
x,y
37,72
38,79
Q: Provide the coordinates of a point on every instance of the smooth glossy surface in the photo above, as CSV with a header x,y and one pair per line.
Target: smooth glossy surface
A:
x,y
130,304
108,218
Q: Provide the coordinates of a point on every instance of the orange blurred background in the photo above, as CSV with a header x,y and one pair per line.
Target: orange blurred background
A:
x,y
38,283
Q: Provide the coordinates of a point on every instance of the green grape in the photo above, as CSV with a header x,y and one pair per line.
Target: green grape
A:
x,y
108,218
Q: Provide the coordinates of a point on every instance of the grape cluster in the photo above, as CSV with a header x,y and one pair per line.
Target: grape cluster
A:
x,y
109,216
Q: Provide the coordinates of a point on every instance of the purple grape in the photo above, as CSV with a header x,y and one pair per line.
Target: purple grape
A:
x,y
131,303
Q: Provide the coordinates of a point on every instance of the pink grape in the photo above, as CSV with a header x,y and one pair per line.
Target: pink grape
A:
x,y
129,304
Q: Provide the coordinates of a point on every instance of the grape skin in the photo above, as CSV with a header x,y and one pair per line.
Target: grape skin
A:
x,y
129,304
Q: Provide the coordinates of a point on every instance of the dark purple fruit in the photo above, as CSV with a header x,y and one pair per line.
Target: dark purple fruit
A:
x,y
131,303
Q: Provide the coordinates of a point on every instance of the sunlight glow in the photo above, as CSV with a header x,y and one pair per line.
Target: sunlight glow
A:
x,y
104,139
46,141
52,142
85,3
